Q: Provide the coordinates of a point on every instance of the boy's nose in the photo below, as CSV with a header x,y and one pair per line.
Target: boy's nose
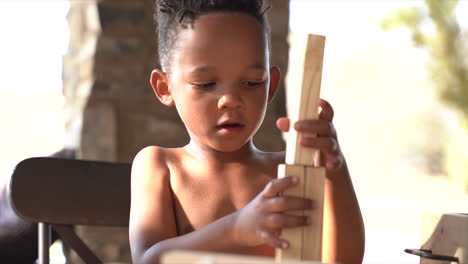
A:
x,y
229,101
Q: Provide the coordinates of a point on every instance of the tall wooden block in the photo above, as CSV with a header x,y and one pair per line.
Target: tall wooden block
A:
x,y
305,97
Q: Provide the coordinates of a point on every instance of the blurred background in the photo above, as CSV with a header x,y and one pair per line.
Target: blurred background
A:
x,y
396,73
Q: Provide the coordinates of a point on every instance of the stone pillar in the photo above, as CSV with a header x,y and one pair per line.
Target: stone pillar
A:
x,y
112,111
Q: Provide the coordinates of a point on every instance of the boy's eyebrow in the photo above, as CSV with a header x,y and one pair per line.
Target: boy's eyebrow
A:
x,y
203,69
208,67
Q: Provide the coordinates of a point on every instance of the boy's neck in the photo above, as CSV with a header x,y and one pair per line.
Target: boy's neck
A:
x,y
247,151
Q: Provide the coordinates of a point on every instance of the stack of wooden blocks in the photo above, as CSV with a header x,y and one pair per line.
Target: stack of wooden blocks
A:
x,y
305,242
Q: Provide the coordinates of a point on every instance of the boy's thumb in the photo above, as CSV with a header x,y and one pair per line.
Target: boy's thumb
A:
x,y
283,124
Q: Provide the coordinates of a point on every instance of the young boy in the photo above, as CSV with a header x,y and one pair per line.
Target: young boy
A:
x,y
219,193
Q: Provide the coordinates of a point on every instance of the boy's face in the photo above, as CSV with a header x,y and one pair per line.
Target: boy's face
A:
x,y
220,79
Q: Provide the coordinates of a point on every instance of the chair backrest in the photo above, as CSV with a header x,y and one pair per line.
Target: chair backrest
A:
x,y
64,192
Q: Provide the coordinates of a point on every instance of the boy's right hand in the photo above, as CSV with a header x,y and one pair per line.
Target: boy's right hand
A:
x,y
262,220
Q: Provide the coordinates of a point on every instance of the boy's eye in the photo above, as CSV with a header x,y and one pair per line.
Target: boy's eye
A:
x,y
253,84
204,85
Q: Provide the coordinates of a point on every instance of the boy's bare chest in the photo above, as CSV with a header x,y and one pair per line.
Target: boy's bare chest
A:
x,y
200,199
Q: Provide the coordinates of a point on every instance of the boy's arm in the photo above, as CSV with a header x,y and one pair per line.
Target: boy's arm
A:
x,y
151,203
343,227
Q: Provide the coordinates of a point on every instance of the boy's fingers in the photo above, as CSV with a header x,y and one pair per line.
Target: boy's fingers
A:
x,y
277,186
315,126
273,240
288,203
334,163
327,112
280,221
283,124
329,146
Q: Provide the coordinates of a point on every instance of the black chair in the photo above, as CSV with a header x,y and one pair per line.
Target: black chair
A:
x,y
60,193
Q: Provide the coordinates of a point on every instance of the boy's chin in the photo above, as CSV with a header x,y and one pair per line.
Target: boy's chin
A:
x,y
229,147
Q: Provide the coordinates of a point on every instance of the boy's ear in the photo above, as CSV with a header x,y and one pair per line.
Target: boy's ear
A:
x,y
275,77
160,83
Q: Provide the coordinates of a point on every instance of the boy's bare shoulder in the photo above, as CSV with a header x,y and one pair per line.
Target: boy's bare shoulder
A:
x,y
153,160
151,200
151,156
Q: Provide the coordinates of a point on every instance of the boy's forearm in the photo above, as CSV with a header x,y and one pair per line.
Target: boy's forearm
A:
x,y
217,236
343,226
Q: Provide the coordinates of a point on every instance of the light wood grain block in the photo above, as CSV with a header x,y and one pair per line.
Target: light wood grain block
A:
x,y
293,235
197,257
446,235
312,236
304,99
305,242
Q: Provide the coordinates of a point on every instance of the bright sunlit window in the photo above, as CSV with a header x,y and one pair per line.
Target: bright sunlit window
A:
x,y
34,38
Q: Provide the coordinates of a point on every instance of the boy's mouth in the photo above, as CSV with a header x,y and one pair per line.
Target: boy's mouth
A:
x,y
229,125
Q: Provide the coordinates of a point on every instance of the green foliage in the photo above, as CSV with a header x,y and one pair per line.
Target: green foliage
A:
x,y
445,44
411,18
435,28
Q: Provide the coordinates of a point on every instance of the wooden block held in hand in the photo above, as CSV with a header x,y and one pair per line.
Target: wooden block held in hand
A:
x,y
305,242
304,99
312,237
293,235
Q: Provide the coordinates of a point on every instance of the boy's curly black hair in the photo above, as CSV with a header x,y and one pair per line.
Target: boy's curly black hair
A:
x,y
172,16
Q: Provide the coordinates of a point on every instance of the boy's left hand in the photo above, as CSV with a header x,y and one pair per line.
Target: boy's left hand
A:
x,y
326,140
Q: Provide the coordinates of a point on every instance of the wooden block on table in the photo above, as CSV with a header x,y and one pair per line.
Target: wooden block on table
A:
x,y
197,257
305,242
446,235
304,99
